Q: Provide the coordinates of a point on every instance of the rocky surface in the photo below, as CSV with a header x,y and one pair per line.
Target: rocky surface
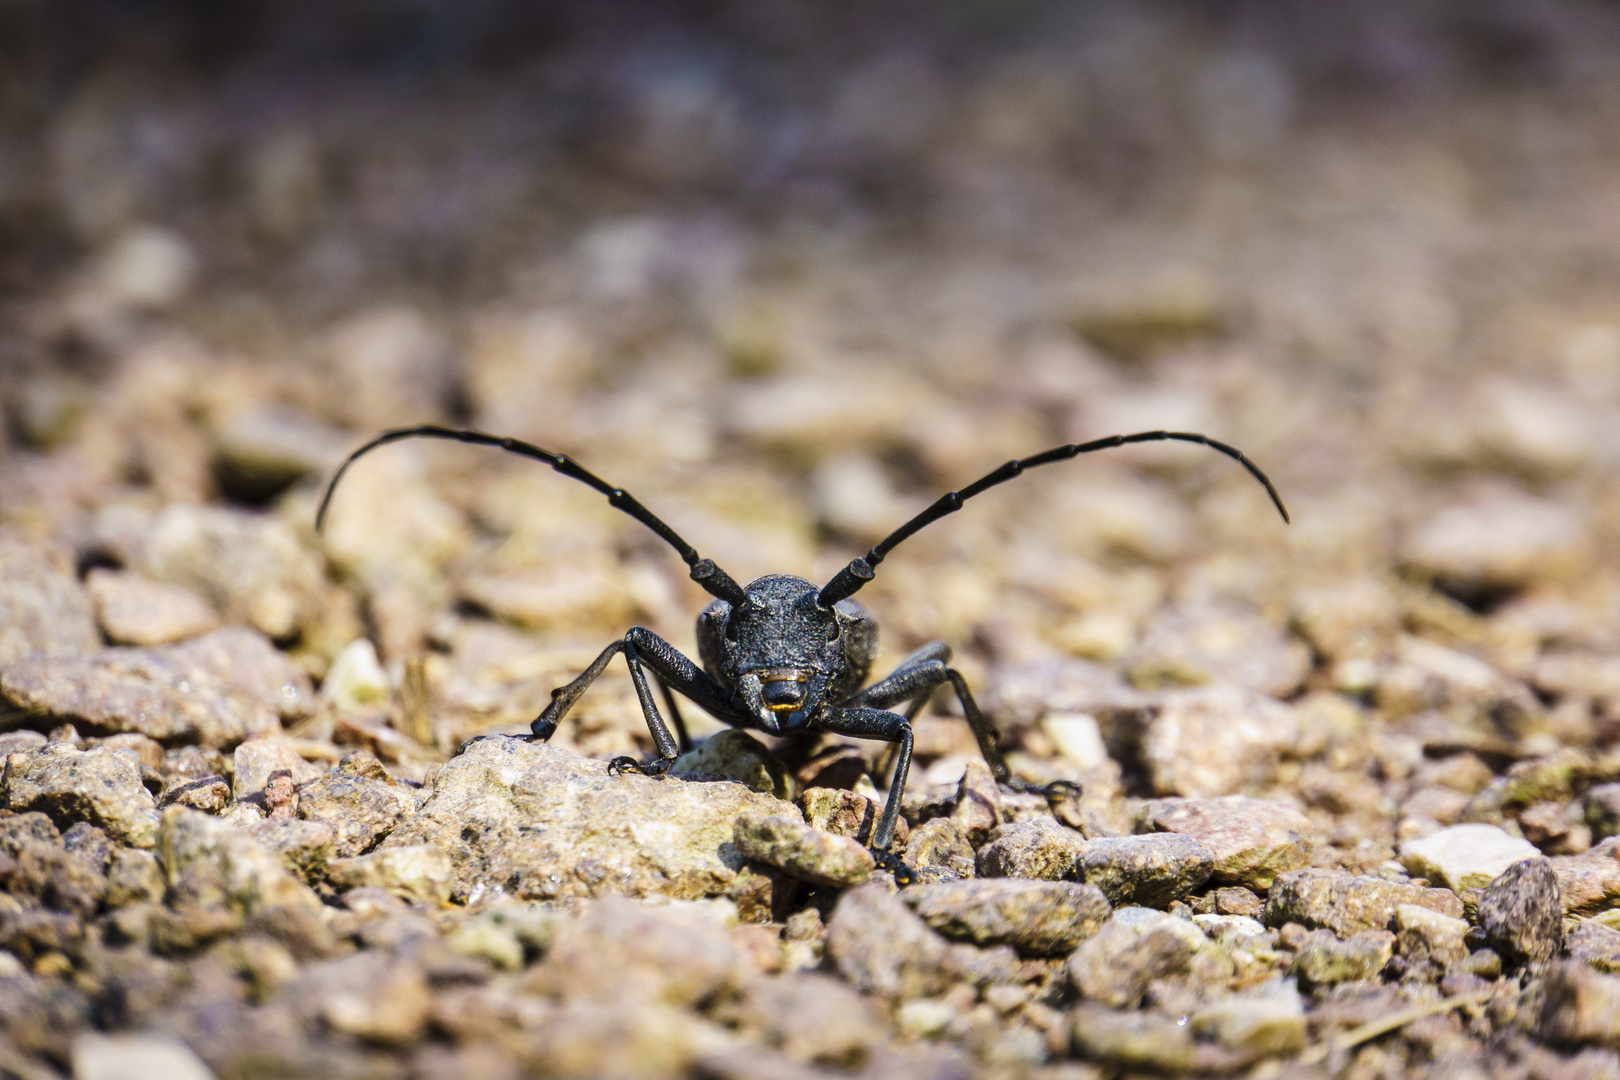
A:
x,y
1250,841
134,610
214,690
101,786
532,821
1339,797
1465,856
1151,870
1037,918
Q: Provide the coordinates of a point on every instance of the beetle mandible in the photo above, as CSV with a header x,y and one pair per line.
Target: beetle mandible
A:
x,y
783,654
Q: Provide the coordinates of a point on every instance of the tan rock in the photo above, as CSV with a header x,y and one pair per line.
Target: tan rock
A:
x,y
215,690
1250,840
538,822
134,610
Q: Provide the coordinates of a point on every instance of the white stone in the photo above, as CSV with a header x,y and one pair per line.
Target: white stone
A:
x,y
1268,1023
925,1017
1235,927
1077,737
256,760
1146,920
1433,925
136,1057
1465,856
147,268
356,679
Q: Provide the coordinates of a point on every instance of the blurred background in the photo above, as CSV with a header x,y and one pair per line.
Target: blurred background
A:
x,y
788,269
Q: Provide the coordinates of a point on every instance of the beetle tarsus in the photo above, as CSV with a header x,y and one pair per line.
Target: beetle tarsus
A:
x,y
655,767
888,860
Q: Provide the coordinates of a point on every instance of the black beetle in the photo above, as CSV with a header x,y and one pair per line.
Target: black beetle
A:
x,y
784,654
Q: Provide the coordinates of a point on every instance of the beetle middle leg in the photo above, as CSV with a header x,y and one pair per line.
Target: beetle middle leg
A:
x,y
915,680
917,677
674,671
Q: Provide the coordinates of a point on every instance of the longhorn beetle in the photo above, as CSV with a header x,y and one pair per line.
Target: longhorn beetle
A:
x,y
783,655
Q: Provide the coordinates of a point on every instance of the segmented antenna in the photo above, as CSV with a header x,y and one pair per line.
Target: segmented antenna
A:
x,y
704,571
848,581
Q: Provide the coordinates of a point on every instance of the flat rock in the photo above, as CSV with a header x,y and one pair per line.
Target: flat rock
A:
x,y
1590,881
101,786
1502,541
1522,913
43,609
810,1017
1426,936
880,946
359,801
535,821
1579,1006
215,690
135,610
1603,811
1021,696
414,872
1035,848
1115,965
251,877
124,1057
1465,856
1133,1040
1250,840
1596,945
305,847
809,854
1150,870
978,809
1217,740
1038,918
737,755
846,813
260,450
252,567
210,794
1324,960
937,844
1348,903
615,951
1269,1023
1198,644
257,760
1352,619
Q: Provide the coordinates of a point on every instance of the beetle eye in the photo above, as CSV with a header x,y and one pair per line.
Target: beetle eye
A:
x,y
834,631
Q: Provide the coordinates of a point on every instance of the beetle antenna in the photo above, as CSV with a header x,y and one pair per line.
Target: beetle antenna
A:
x,y
848,581
704,571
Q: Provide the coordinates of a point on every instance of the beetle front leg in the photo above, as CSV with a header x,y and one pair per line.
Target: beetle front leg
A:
x,y
868,723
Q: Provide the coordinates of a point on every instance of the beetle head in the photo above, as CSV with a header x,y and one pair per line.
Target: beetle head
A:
x,y
781,650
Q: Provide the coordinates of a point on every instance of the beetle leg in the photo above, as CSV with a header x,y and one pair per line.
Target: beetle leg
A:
x,y
917,677
644,649
675,718
916,680
869,723
563,697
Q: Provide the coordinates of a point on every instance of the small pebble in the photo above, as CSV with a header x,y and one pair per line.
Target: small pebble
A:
x,y
1522,914
1465,856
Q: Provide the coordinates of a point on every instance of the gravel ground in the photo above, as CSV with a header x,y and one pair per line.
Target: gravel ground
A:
x,y
1346,792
